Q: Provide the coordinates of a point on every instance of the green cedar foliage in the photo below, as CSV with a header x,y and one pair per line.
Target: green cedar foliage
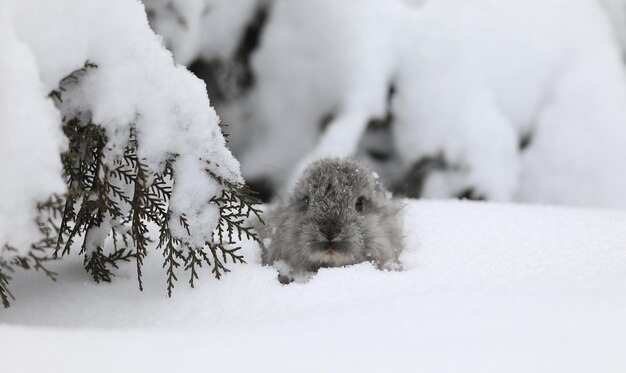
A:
x,y
121,197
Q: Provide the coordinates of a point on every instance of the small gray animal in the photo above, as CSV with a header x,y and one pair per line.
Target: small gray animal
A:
x,y
338,214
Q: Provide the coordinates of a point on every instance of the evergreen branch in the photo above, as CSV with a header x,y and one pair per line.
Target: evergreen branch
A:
x,y
71,79
183,222
122,173
38,263
5,293
33,260
68,215
171,254
139,229
218,266
191,261
97,263
232,253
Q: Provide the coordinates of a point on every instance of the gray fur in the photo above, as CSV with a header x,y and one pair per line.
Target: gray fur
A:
x,y
320,225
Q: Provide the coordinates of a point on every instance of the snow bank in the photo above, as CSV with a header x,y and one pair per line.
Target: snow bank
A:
x,y
524,100
135,84
486,287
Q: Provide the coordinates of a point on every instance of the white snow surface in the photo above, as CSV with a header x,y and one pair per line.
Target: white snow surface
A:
x,y
136,83
486,287
472,79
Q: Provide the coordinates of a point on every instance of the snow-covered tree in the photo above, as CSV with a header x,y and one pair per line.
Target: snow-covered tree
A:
x,y
104,137
504,100
478,99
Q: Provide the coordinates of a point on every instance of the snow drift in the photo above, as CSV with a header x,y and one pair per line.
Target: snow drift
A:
x,y
486,288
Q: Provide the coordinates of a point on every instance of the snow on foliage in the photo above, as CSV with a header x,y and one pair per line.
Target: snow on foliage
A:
x,y
132,85
520,100
30,139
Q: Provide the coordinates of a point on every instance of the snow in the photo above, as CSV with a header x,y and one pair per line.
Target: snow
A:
x,y
472,79
135,84
28,121
486,287
209,29
616,9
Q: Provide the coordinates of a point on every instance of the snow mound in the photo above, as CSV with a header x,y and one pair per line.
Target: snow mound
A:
x,y
486,287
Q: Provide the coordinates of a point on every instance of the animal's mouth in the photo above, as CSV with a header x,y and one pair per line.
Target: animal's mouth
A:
x,y
330,257
331,254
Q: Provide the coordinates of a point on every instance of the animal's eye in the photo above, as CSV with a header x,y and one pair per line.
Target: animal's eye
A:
x,y
359,204
304,201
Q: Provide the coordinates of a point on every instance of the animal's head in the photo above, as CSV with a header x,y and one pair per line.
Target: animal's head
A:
x,y
336,200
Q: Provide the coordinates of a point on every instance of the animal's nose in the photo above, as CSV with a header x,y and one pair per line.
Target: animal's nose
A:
x,y
330,229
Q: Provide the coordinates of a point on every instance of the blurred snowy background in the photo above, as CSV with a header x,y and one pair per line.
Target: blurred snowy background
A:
x,y
517,100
